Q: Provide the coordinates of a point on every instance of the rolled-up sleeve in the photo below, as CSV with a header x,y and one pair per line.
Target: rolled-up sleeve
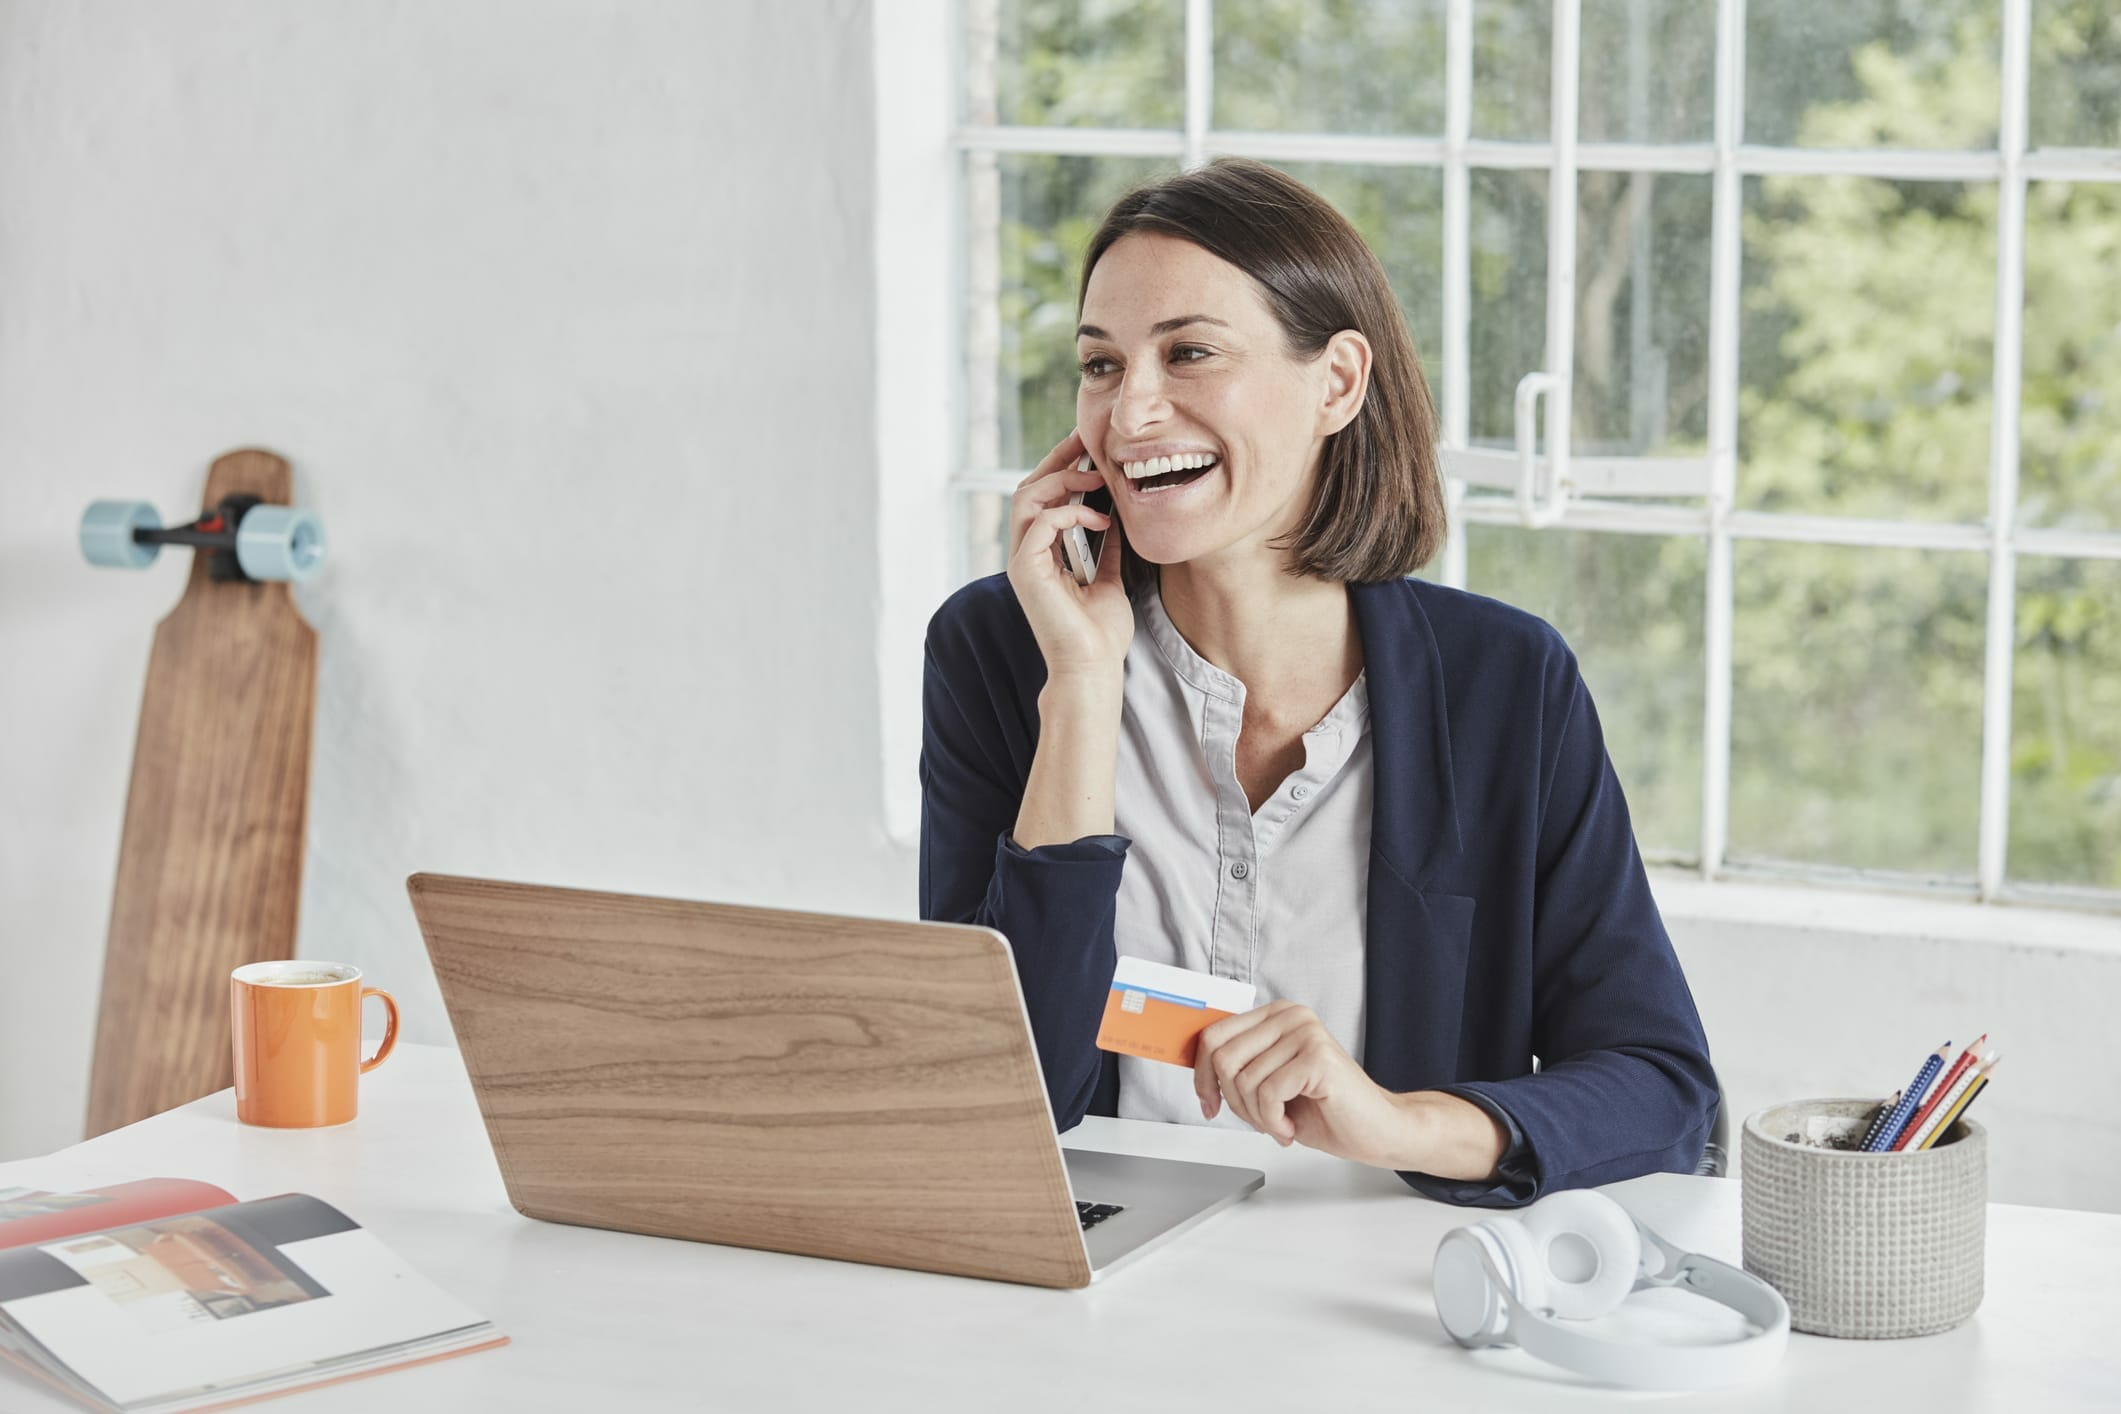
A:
x,y
1516,1176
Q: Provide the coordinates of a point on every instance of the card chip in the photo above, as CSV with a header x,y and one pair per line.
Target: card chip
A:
x,y
1131,1002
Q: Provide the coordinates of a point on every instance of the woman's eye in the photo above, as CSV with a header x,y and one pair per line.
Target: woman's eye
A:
x,y
1098,365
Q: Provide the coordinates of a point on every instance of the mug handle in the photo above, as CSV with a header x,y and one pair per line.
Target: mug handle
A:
x,y
390,1027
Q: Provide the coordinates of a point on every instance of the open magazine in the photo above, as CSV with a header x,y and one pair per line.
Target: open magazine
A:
x,y
167,1295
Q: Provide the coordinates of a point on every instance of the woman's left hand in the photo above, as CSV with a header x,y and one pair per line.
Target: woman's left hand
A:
x,y
1282,1072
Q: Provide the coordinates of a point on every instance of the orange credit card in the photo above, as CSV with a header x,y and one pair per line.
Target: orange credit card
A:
x,y
1158,1012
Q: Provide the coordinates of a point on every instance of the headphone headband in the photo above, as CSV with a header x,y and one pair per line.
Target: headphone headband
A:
x,y
1656,1366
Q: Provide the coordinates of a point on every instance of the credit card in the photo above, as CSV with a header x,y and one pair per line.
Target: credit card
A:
x,y
1158,1012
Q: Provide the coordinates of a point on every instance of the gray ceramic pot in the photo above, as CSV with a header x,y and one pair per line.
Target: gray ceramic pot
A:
x,y
1871,1246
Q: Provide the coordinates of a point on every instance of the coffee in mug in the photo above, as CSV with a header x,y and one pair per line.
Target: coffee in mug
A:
x,y
295,1029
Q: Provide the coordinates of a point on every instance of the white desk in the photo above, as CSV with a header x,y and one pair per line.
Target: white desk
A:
x,y
1312,1295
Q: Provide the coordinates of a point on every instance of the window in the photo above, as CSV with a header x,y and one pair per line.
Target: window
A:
x,y
1835,332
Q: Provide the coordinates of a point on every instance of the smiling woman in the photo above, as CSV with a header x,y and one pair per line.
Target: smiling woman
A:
x,y
1262,752
1280,326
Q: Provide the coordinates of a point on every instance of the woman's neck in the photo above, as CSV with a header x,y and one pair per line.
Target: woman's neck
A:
x,y
1291,640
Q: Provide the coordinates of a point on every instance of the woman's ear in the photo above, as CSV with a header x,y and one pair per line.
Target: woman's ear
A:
x,y
1346,360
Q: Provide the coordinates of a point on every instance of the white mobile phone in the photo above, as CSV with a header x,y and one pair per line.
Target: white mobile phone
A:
x,y
1080,547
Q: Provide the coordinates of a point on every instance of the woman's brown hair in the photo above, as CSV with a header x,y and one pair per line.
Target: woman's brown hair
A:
x,y
1377,511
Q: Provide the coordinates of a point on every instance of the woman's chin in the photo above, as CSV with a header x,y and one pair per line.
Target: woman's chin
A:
x,y
1160,549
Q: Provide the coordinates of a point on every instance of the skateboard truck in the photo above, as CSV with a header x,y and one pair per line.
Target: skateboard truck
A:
x,y
250,540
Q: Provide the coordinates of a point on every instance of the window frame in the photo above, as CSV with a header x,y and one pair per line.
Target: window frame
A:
x,y
1728,162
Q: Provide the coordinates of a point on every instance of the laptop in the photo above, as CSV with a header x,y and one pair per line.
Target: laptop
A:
x,y
838,1087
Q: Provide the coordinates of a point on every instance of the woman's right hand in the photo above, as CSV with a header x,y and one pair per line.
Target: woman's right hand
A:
x,y
1081,631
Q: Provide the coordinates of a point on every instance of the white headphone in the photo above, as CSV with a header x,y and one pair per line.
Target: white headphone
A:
x,y
1576,1255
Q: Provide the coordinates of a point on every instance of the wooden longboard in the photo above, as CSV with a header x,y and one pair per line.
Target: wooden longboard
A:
x,y
210,869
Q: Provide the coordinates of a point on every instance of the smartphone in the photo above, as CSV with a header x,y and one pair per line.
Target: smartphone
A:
x,y
1080,546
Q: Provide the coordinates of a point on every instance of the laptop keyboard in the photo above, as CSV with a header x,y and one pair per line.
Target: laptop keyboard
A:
x,y
1094,1213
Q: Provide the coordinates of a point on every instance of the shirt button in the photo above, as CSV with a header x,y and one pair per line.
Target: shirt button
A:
x,y
1238,870
1300,792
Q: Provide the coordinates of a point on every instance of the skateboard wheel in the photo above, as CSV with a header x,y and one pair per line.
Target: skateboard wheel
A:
x,y
107,534
279,542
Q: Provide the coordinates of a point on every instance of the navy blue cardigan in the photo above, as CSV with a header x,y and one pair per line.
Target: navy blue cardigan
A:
x,y
1509,916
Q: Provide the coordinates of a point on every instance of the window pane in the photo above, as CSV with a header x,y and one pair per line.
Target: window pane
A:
x,y
1061,63
2075,100
1856,706
1399,211
1631,608
1873,73
1642,313
1508,335
1865,347
1329,66
2066,724
1028,221
2070,425
1513,52
1648,72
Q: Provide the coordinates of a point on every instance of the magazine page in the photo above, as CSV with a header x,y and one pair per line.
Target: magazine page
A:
x,y
278,1292
35,1215
26,1358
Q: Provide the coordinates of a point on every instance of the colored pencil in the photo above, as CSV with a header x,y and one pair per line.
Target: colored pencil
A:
x,y
1878,1119
1914,1133
1942,1092
1965,1101
1909,1098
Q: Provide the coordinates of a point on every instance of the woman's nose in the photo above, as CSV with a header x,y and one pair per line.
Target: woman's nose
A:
x,y
1140,402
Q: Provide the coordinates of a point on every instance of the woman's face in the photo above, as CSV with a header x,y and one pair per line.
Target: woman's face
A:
x,y
1182,359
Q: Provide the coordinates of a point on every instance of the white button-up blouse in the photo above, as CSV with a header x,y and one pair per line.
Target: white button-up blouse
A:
x,y
1277,898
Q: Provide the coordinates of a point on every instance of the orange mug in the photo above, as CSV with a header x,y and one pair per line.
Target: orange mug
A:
x,y
296,1031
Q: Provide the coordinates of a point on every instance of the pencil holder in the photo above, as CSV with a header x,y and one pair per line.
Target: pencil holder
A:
x,y
1870,1246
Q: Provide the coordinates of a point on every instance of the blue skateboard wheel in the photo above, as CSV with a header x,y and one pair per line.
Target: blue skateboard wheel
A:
x,y
107,534
279,543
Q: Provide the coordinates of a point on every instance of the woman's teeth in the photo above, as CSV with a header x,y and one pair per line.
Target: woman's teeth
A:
x,y
1164,466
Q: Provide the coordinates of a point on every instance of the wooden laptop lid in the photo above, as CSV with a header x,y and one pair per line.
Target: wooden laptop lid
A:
x,y
800,1082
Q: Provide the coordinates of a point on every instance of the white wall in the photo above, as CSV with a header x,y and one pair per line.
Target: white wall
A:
x,y
565,315
1820,994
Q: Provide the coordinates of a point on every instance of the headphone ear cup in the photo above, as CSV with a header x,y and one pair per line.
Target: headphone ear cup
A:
x,y
1467,1303
1527,1272
1587,1249
1472,1310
